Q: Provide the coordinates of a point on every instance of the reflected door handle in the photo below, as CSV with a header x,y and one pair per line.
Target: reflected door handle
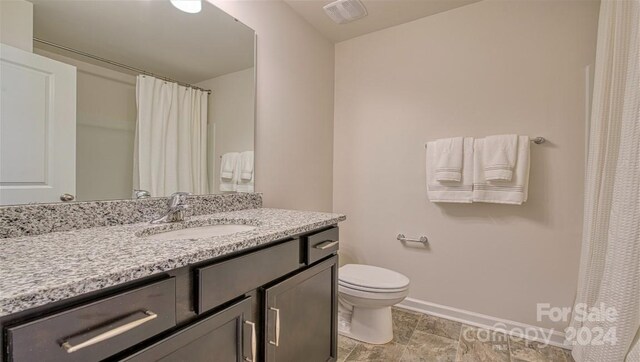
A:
x,y
67,197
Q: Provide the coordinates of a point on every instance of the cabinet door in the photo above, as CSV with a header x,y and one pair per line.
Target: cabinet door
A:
x,y
226,336
301,316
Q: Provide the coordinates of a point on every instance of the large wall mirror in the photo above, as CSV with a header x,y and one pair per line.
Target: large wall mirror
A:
x,y
124,99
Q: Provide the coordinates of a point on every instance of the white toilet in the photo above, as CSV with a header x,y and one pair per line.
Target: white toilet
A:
x,y
366,294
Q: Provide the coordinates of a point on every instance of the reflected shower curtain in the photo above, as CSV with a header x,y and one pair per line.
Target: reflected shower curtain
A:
x,y
170,152
610,261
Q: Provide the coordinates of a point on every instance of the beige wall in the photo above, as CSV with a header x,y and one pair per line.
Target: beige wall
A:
x,y
294,129
231,117
487,68
16,24
106,125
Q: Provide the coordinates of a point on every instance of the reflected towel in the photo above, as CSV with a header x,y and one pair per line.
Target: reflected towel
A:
x,y
245,183
228,165
246,165
229,171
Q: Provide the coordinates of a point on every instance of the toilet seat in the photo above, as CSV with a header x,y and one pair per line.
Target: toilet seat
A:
x,y
373,296
372,279
371,290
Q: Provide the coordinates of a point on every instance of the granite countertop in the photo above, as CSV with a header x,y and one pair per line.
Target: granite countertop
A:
x,y
46,268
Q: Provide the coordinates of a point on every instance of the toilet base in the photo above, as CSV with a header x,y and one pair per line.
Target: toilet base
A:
x,y
369,325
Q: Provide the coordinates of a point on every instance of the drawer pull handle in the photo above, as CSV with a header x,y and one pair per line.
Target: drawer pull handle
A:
x,y
277,342
326,245
109,334
253,342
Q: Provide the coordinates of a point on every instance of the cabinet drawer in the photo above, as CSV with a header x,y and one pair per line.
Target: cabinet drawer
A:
x,y
320,245
224,281
97,330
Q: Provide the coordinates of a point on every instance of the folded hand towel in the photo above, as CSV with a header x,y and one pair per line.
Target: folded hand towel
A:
x,y
449,155
499,157
501,192
246,165
228,165
245,183
229,171
451,191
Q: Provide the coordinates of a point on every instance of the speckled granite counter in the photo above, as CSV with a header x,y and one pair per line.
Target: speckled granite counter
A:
x,y
41,269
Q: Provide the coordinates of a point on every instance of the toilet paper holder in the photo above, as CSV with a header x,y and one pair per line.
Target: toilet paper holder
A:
x,y
423,239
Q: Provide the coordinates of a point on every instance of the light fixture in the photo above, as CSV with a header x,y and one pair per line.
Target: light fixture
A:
x,y
188,6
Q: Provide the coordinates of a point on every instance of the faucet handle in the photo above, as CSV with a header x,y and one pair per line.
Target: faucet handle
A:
x,y
178,198
141,194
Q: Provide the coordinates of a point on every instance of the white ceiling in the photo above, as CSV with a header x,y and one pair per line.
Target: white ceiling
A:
x,y
151,35
381,14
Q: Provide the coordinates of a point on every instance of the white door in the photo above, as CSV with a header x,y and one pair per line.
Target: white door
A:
x,y
37,128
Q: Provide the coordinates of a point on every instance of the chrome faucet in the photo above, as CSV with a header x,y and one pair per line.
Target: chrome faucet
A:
x,y
141,194
177,206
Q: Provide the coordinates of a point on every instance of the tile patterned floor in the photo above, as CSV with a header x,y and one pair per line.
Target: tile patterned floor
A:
x,y
421,337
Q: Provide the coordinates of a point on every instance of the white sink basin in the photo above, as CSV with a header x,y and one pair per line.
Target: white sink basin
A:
x,y
201,232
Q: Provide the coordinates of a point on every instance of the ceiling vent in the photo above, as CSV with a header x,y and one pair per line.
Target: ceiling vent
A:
x,y
344,11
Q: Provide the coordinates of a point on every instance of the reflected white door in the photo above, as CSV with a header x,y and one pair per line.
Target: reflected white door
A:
x,y
37,127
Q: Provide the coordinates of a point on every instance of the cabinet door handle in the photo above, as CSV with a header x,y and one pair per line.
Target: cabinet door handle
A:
x,y
253,342
109,334
326,245
277,342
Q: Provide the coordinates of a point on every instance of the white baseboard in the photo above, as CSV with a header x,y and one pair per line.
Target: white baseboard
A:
x,y
555,338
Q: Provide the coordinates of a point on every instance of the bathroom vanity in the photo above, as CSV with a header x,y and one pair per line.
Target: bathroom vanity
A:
x,y
267,294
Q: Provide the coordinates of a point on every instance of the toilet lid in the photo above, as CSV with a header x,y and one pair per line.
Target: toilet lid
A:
x,y
370,277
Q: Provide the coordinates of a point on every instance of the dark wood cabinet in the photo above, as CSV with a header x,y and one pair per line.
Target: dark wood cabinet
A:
x,y
226,336
301,316
276,302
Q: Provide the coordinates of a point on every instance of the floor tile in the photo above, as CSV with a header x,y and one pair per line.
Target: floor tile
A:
x,y
568,356
376,353
480,345
425,346
421,337
523,350
440,327
404,322
345,347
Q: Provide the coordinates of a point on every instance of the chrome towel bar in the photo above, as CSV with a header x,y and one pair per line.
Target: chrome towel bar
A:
x,y
537,140
423,239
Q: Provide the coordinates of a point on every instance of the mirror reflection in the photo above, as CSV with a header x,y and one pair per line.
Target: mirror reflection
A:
x,y
119,99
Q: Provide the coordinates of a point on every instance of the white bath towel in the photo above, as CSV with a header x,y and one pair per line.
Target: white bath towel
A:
x,y
246,165
449,155
246,186
228,165
245,183
229,171
499,157
513,192
451,191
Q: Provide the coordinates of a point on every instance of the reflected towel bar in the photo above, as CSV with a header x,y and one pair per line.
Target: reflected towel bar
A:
x,y
423,239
